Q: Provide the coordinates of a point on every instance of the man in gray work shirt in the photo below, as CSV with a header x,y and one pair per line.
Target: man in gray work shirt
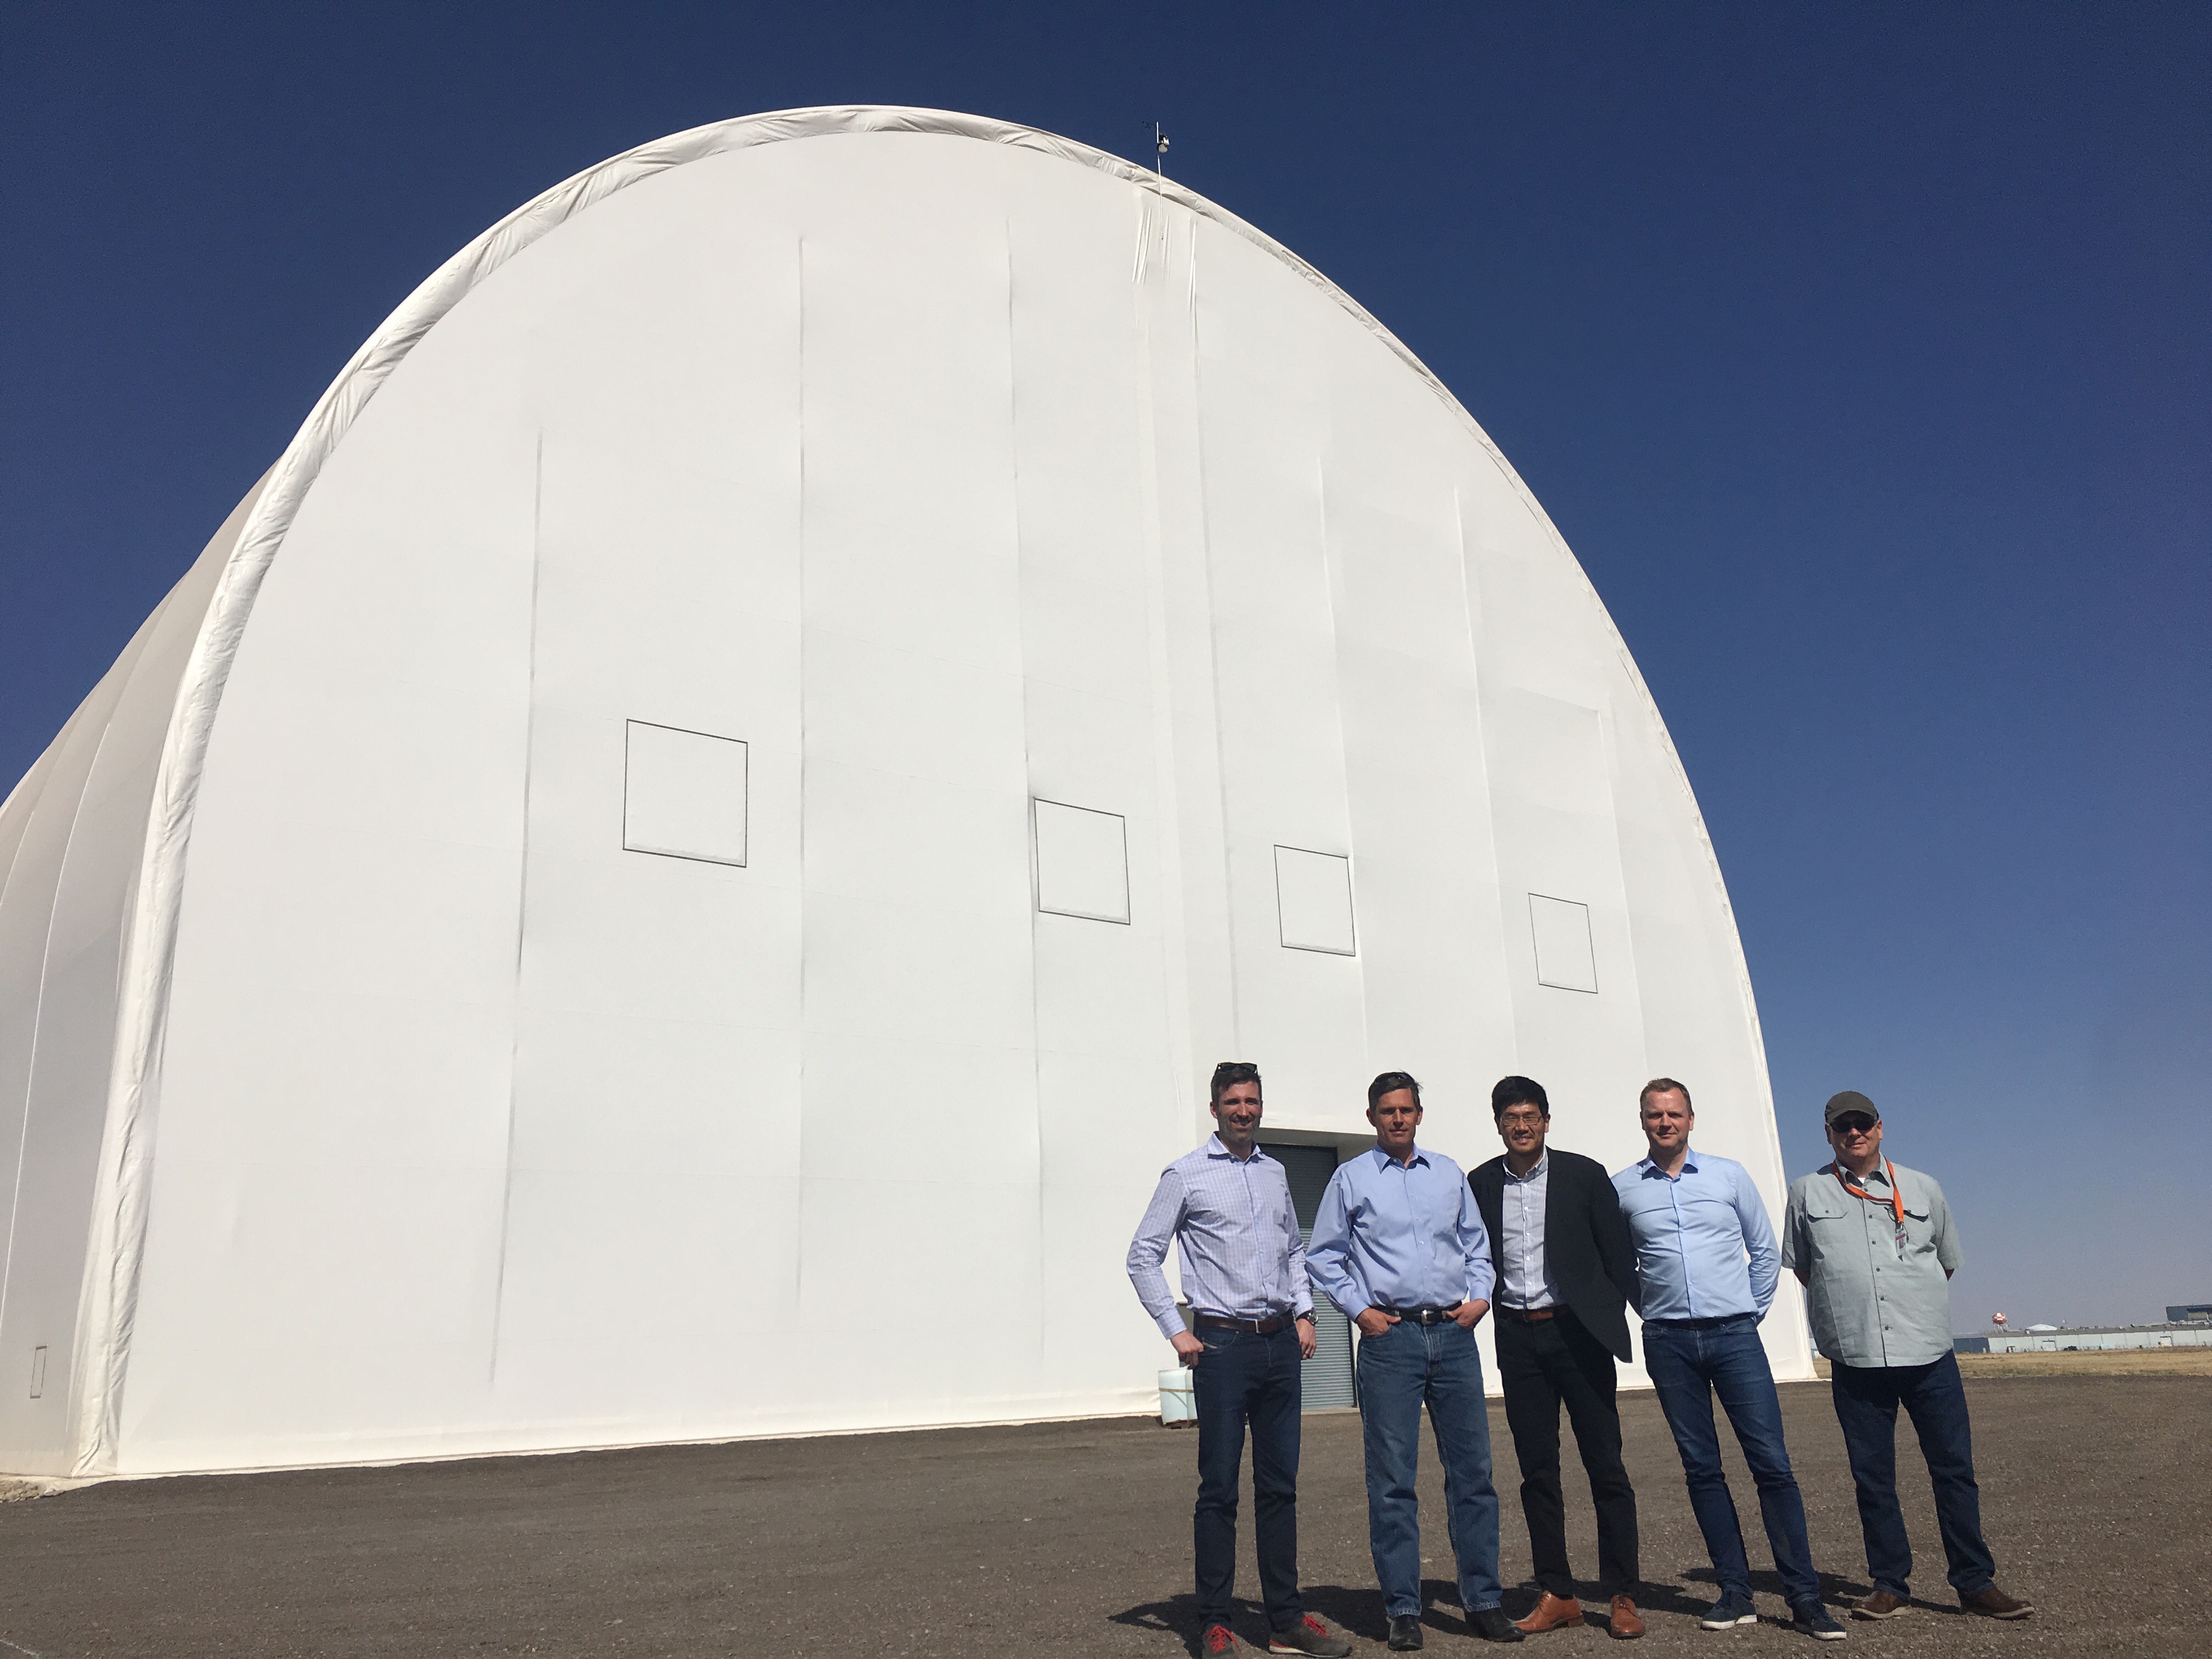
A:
x,y
1872,1243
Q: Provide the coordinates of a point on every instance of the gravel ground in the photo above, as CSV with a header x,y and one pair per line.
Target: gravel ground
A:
x,y
1069,1538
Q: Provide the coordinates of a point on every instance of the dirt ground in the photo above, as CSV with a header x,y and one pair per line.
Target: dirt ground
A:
x,y
1064,1539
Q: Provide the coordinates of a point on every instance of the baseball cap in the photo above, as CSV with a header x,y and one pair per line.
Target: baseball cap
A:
x,y
1849,1100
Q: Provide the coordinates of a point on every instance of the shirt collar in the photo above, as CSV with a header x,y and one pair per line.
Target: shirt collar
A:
x,y
1650,1167
1419,1157
1541,1166
1880,1172
1215,1149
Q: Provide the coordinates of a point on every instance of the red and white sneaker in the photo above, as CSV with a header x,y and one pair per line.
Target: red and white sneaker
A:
x,y
1220,1642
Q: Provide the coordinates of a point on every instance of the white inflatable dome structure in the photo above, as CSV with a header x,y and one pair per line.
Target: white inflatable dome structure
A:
x,y
678,866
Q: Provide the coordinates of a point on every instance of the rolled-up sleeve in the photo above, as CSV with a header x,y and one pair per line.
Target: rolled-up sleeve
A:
x,y
1759,1242
1149,1249
1474,1245
1328,1257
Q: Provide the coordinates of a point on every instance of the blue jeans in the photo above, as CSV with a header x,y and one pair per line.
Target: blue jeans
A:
x,y
1406,1367
1241,1378
1688,1366
1866,1399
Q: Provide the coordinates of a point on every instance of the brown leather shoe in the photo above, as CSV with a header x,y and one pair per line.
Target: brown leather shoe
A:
x,y
1996,1604
1881,1605
1552,1612
1626,1623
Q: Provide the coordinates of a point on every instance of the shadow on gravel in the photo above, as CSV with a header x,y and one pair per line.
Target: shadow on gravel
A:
x,y
1835,1589
1357,1612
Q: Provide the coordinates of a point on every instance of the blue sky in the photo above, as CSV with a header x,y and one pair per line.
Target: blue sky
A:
x,y
1861,353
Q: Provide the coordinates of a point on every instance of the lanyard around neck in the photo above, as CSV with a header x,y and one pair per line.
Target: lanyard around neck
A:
x,y
1896,1199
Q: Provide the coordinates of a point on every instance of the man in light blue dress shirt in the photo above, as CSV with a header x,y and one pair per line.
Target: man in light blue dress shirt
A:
x,y
1399,1245
1227,1207
1706,1266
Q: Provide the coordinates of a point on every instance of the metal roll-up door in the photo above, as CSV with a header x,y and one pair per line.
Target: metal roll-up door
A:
x,y
1329,1373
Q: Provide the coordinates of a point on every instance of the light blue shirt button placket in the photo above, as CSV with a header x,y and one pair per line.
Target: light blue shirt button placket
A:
x,y
1705,1249
1391,1235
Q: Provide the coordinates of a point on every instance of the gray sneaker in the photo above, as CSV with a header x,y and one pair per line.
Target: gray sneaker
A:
x,y
1728,1612
1309,1636
1811,1619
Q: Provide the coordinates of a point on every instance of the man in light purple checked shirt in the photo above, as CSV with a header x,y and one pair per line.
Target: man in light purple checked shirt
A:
x,y
1227,1208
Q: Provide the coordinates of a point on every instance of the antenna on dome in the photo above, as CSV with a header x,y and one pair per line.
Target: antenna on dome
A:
x,y
1159,152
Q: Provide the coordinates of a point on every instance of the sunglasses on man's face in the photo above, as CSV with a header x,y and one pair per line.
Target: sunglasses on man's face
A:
x,y
1856,1124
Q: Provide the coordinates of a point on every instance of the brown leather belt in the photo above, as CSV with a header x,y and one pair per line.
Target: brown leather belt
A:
x,y
1250,1326
1527,1315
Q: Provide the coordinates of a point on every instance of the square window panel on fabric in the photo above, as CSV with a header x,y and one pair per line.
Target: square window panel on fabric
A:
x,y
1082,862
1565,959
684,794
1313,895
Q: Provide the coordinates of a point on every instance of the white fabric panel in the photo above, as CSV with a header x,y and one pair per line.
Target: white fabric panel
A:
x,y
74,837
684,794
1112,1094
1205,919
344,793
48,1214
1437,1000
958,485
1083,862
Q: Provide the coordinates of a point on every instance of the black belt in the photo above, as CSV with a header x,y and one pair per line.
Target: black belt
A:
x,y
1697,1324
1250,1327
1527,1315
1421,1316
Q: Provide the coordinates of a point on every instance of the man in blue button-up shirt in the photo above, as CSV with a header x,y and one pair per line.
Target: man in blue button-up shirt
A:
x,y
1398,1244
1706,1266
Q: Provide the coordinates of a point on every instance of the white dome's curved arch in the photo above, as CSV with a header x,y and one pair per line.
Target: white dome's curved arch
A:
x,y
160,877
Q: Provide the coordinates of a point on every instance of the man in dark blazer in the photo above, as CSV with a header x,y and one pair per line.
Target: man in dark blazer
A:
x,y
1564,1265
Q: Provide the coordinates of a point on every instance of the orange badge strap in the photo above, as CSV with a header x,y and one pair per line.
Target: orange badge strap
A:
x,y
1896,1199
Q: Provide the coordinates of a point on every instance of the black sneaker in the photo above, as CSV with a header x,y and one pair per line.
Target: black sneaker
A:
x,y
1405,1632
1728,1612
1811,1619
1309,1636
1492,1625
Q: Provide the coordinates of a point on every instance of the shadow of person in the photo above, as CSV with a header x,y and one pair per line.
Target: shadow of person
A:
x,y
1653,1596
1359,1611
1180,1616
1177,1616
1835,1588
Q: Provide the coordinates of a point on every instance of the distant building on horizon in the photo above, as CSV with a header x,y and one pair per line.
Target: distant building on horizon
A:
x,y
2196,1333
